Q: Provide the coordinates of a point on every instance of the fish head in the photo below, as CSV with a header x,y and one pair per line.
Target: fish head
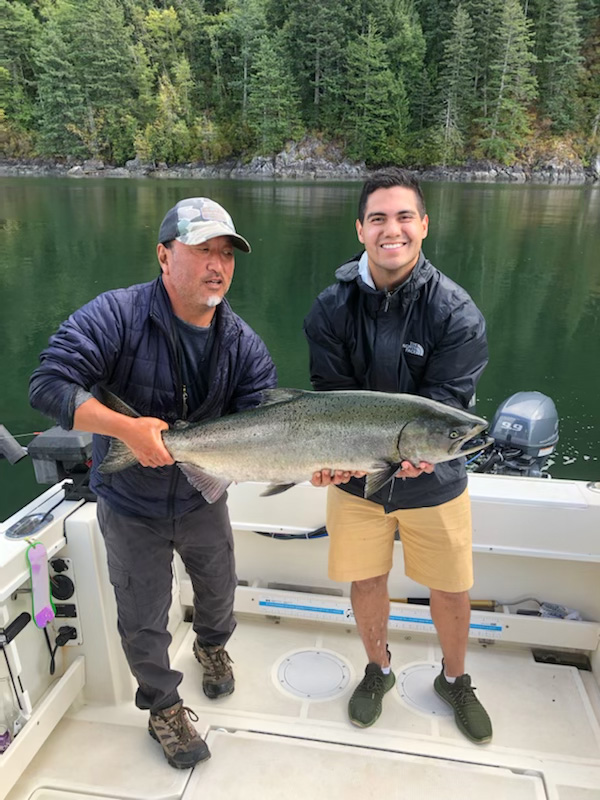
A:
x,y
441,433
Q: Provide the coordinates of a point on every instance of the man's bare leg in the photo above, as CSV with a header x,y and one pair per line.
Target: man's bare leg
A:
x,y
371,606
451,614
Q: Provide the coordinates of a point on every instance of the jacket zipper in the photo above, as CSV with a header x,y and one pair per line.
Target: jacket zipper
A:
x,y
184,395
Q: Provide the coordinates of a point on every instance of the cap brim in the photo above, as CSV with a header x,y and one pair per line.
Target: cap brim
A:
x,y
211,231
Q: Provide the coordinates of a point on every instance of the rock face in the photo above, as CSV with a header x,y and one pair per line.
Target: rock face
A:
x,y
310,159
553,170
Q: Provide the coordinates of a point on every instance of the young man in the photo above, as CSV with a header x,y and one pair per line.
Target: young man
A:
x,y
394,323
171,349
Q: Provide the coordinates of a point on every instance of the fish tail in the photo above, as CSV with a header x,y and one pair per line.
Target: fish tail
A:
x,y
119,457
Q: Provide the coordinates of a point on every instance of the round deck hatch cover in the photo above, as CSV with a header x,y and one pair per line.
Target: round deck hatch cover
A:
x,y
415,687
313,674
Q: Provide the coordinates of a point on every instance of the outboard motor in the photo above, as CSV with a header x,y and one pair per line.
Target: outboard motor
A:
x,y
525,433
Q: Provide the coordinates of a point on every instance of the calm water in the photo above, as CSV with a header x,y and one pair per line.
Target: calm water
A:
x,y
527,254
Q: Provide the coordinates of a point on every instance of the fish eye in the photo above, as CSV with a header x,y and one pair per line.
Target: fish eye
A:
x,y
454,434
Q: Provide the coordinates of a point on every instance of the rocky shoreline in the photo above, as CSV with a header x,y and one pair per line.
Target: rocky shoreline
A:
x,y
298,162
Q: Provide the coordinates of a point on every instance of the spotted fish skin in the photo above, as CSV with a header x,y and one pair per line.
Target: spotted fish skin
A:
x,y
295,433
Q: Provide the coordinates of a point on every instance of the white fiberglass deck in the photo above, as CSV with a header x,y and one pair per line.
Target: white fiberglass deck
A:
x,y
267,743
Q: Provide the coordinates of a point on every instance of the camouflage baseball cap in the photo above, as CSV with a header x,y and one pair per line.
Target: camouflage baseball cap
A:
x,y
196,220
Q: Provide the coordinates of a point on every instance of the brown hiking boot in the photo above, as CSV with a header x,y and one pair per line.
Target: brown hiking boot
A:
x,y
218,680
182,744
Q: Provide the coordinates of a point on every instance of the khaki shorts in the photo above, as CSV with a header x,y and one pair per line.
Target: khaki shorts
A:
x,y
437,541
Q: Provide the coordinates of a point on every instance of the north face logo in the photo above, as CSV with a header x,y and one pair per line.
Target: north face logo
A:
x,y
414,348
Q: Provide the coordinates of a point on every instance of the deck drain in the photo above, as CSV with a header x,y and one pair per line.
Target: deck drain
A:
x,y
313,674
415,687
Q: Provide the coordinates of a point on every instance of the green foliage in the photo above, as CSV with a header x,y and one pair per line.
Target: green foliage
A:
x,y
316,36
421,81
87,93
559,64
376,115
457,89
512,87
273,107
19,30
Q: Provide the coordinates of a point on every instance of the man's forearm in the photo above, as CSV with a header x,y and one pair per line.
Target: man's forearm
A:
x,y
95,417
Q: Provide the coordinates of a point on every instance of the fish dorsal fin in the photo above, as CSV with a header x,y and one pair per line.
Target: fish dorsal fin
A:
x,y
276,488
115,403
210,488
271,396
376,480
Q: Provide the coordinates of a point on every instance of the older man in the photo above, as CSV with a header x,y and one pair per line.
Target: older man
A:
x,y
171,349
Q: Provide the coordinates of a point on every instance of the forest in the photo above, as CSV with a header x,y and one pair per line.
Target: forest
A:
x,y
414,82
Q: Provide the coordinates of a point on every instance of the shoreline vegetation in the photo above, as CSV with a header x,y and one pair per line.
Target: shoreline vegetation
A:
x,y
497,90
306,161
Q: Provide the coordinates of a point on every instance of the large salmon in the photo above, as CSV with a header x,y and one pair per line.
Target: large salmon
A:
x,y
295,433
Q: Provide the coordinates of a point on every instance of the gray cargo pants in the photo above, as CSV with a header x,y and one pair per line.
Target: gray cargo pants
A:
x,y
140,555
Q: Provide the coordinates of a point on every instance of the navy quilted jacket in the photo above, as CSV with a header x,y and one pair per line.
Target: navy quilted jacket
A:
x,y
124,341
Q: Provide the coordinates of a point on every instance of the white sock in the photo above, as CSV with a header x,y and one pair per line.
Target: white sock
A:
x,y
449,680
386,670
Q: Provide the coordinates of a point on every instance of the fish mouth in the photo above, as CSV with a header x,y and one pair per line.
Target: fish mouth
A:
x,y
473,444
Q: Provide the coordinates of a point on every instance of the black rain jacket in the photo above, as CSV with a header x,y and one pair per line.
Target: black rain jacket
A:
x,y
426,337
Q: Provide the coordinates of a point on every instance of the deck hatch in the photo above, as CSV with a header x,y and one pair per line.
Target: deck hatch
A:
x,y
313,674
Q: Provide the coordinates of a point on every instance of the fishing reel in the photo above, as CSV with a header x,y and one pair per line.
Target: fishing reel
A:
x,y
525,433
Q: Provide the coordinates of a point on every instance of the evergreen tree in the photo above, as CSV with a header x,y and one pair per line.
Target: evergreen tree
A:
x,y
486,16
61,100
406,46
559,66
273,105
19,31
180,77
589,91
168,138
376,116
457,89
247,26
512,86
161,30
87,89
316,36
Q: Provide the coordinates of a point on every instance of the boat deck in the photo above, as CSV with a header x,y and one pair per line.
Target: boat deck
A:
x,y
267,741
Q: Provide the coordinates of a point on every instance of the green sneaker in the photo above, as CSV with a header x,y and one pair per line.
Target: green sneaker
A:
x,y
364,707
470,716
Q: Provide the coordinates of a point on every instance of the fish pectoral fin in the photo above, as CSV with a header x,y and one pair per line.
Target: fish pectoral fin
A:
x,y
375,480
276,488
271,396
210,488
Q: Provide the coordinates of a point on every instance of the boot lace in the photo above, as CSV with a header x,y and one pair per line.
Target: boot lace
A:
x,y
216,662
181,726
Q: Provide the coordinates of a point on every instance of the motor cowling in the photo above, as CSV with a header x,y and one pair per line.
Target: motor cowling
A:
x,y
525,433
